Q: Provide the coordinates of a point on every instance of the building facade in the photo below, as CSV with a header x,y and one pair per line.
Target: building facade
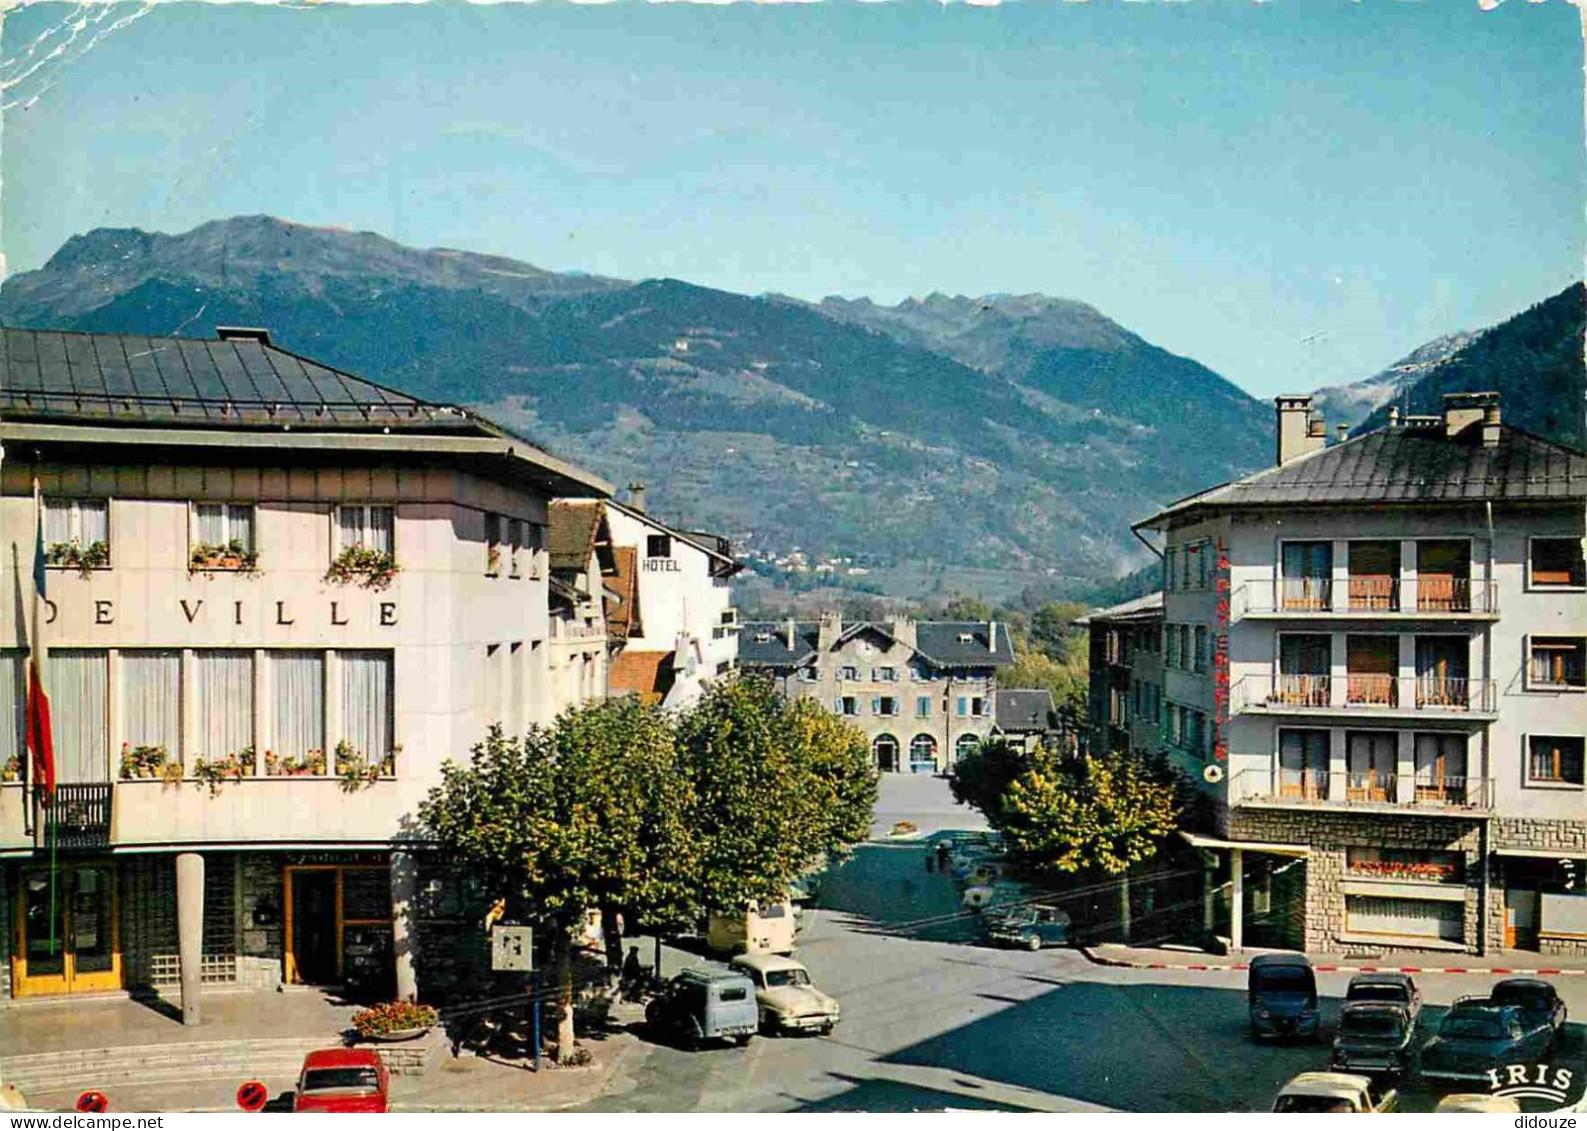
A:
x,y
1386,636
922,691
682,629
583,563
1127,709
279,598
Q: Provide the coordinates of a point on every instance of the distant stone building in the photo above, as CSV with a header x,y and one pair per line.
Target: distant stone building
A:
x,y
1026,717
922,691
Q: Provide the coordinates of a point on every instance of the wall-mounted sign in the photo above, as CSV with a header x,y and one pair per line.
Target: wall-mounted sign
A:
x,y
1220,660
195,610
662,565
511,947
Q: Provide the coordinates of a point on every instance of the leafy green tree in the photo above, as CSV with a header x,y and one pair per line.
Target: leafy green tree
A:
x,y
1096,814
588,814
981,779
967,608
776,785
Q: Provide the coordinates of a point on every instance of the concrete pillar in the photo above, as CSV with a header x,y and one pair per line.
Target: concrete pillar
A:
x,y
1341,575
190,930
1236,899
404,885
1405,767
1209,896
1338,669
1407,574
1407,671
1338,765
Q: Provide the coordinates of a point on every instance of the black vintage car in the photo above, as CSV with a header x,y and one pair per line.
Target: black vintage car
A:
x,y
1478,1034
1534,996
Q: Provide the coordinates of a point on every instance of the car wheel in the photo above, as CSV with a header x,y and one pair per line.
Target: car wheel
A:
x,y
768,1026
742,1039
1033,943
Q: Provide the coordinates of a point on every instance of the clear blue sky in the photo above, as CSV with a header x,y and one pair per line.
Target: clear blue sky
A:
x,y
1226,179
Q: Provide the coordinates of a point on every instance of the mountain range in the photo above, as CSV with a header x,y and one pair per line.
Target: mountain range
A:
x,y
1007,434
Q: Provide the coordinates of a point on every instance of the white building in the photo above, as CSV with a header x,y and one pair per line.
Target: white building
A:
x,y
295,595
1388,635
682,629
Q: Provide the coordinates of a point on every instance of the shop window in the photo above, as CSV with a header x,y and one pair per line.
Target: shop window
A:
x,y
1442,920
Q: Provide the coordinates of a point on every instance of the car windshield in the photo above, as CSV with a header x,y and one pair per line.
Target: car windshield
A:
x,y
1471,1025
1370,1024
787,978
1378,993
1312,1105
1527,997
1284,980
350,1079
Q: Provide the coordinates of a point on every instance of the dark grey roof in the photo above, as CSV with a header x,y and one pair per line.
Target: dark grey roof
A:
x,y
1147,608
1022,709
238,382
1409,465
773,651
936,641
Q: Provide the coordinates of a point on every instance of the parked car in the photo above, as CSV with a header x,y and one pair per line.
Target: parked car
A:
x,y
1281,997
1313,1093
1394,989
787,1000
1477,1101
1031,927
1374,1037
342,1080
1535,996
1477,1034
706,1004
761,928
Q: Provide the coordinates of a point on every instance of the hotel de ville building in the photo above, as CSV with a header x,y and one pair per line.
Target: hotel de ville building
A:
x,y
279,598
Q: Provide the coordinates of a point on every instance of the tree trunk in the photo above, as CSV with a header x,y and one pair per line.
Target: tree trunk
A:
x,y
1124,907
564,971
612,934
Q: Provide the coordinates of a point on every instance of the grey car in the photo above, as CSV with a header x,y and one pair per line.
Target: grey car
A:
x,y
1374,1038
706,1004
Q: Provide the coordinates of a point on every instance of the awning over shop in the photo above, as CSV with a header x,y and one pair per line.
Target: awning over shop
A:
x,y
1543,853
1197,840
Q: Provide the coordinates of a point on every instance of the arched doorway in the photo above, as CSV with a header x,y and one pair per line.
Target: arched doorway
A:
x,y
923,754
885,747
968,744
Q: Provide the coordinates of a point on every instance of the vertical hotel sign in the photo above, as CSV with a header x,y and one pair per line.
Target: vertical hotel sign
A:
x,y
1220,659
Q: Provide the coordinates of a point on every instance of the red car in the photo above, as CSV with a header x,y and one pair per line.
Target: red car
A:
x,y
348,1080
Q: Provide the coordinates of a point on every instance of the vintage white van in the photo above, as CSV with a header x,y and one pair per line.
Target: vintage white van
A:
x,y
762,928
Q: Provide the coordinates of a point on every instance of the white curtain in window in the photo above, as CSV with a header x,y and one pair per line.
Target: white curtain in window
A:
x,y
366,702
297,683
209,522
370,525
349,526
378,533
13,703
57,521
223,711
77,683
151,684
241,525
94,518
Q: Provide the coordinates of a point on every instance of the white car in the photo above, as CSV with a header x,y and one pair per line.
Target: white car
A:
x,y
787,1000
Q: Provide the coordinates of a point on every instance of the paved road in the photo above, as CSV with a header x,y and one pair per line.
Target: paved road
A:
x,y
934,1020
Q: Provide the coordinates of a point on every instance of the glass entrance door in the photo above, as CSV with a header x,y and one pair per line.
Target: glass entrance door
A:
x,y
69,940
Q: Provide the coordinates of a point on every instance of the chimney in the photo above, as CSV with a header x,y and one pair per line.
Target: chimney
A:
x,y
991,636
1298,434
831,629
903,630
1343,430
1490,425
1462,410
793,632
636,497
1394,416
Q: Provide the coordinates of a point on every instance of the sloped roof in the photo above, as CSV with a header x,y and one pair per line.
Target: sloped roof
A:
x,y
571,528
622,607
1149,607
937,642
646,674
1023,709
1408,465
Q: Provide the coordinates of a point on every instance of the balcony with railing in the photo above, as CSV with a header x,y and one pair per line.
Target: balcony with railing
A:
x,y
1366,597
1274,787
1413,697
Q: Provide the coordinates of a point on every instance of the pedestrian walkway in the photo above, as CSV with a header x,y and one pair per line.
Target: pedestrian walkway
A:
x,y
1505,962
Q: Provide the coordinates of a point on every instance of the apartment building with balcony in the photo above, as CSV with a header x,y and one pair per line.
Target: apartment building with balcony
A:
x,y
922,691
1388,636
1128,711
280,598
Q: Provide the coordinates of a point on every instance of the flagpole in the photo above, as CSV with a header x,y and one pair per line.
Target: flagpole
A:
x,y
38,702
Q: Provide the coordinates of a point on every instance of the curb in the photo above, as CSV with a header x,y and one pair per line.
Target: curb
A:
x,y
1333,968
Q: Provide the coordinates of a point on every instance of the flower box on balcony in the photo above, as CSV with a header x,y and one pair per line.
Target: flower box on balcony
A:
x,y
231,557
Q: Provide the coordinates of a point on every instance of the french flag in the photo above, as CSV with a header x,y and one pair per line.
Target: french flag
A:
x,y
40,735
